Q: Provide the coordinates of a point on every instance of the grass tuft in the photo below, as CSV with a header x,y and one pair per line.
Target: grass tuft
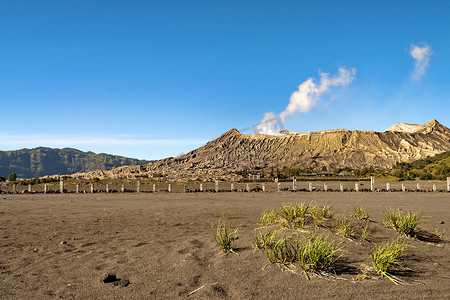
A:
x,y
290,213
313,253
225,236
345,227
385,258
296,215
282,252
320,213
403,222
264,239
360,213
316,253
268,217
365,232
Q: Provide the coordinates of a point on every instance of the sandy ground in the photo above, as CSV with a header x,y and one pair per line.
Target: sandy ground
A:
x,y
162,246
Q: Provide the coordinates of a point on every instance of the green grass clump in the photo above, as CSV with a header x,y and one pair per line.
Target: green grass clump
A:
x,y
264,239
360,213
322,212
318,214
365,232
292,212
225,236
282,252
313,253
296,215
385,258
403,222
317,253
345,227
288,213
268,217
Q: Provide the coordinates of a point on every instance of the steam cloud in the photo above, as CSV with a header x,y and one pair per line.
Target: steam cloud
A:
x,y
421,57
306,97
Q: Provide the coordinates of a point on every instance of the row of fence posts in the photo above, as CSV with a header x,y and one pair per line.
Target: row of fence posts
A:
x,y
247,187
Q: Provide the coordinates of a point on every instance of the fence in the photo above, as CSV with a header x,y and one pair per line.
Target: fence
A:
x,y
293,186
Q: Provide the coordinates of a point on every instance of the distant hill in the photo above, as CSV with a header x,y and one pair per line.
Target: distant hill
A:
x,y
436,167
322,150
38,162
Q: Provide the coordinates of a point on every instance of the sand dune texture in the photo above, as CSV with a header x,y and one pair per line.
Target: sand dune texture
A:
x,y
162,246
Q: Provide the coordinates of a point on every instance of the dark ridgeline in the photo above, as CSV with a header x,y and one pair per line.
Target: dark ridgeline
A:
x,y
37,162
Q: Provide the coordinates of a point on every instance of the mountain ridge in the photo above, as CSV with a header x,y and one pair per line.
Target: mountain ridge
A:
x,y
324,150
44,161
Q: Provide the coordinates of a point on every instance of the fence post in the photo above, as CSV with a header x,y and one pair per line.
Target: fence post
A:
x,y
122,188
418,187
325,186
169,188
138,188
216,185
232,187
92,188
248,187
434,187
279,187
341,187
372,183
263,187
403,187
388,187
357,187
61,186
201,187
154,188
107,188
14,188
448,184
45,189
310,188
294,184
29,188
77,188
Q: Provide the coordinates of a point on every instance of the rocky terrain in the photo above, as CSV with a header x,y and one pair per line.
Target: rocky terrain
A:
x,y
405,127
38,162
321,150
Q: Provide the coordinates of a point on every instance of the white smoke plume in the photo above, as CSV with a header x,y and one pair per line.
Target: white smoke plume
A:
x,y
268,124
421,56
306,97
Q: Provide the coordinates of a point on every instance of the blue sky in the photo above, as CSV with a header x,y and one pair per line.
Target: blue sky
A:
x,y
152,79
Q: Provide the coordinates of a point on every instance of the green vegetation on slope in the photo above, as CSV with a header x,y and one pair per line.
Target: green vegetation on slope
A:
x,y
430,168
30,163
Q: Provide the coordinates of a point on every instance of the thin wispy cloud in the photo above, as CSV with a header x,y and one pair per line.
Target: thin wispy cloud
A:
x,y
30,140
421,56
